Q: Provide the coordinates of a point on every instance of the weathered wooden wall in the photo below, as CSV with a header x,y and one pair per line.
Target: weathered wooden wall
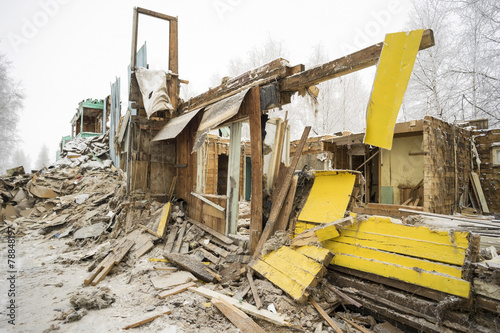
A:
x,y
186,181
446,172
313,154
490,173
152,162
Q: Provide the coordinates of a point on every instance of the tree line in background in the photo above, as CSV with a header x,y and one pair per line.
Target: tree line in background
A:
x,y
459,78
11,104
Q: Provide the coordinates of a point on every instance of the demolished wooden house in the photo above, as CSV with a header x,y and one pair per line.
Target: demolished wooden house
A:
x,y
413,275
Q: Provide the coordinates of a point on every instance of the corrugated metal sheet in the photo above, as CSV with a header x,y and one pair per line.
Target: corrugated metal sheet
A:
x,y
216,114
175,126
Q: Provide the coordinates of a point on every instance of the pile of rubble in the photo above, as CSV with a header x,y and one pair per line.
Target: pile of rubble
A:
x,y
86,152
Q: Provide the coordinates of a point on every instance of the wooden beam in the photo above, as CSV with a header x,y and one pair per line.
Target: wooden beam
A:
x,y
282,191
233,179
173,63
243,322
284,216
205,200
155,14
269,72
254,113
147,320
345,65
255,294
134,39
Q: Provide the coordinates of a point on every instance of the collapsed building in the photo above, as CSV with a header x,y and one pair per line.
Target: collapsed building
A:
x,y
371,217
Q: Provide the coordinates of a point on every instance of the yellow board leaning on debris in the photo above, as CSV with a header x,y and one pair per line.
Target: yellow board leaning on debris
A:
x,y
393,74
329,196
416,255
165,214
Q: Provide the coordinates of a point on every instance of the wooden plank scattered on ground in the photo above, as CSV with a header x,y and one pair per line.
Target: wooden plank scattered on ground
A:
x,y
107,264
214,248
325,316
214,233
176,290
243,322
167,281
277,319
147,320
171,239
178,243
144,248
255,294
148,230
200,270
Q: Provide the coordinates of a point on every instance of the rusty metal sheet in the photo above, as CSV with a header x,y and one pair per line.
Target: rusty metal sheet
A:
x,y
217,113
175,126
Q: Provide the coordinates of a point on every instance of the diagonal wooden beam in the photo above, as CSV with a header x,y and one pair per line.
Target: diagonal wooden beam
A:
x,y
345,65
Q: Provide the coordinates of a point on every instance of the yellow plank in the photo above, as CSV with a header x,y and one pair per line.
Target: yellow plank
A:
x,y
396,259
384,226
393,74
288,285
327,233
165,214
329,196
419,277
318,254
301,226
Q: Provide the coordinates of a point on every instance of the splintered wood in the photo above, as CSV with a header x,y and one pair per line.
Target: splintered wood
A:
x,y
107,264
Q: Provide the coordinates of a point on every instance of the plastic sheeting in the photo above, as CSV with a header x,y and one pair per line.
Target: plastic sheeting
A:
x,y
153,86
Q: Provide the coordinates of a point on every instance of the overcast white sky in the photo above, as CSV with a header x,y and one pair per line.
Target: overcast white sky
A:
x,y
64,51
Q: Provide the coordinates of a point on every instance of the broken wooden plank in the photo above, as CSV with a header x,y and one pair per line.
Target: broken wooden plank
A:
x,y
144,249
479,191
176,290
165,218
148,230
318,254
171,239
243,322
276,319
325,316
178,243
359,327
321,233
346,298
214,233
197,268
284,215
147,320
172,188
206,243
276,208
256,297
208,255
345,65
205,200
242,259
163,282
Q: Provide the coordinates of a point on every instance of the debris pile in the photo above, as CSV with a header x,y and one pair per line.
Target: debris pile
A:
x,y
86,152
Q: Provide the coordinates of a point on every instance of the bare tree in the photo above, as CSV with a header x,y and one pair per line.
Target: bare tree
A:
x,y
10,104
43,159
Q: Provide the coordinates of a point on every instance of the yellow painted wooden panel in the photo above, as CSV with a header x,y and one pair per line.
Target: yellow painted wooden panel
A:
x,y
287,284
163,221
297,259
401,245
327,233
396,259
393,74
383,226
329,196
301,226
419,277
318,254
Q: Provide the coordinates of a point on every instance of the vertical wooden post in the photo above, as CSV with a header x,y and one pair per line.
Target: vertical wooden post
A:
x,y
173,62
254,114
233,179
134,39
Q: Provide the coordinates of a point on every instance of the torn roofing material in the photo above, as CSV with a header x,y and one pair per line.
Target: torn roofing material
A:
x,y
175,126
216,114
